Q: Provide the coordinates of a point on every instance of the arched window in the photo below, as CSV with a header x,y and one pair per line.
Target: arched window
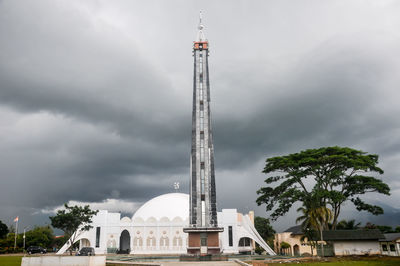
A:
x,y
245,242
138,241
111,243
151,241
177,241
164,241
84,243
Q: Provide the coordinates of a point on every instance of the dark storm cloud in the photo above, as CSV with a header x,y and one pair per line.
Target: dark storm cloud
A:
x,y
328,97
96,76
95,97
92,112
338,94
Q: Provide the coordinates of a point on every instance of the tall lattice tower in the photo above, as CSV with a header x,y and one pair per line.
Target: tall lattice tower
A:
x,y
203,228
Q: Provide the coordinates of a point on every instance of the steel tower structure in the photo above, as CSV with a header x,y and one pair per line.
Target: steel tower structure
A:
x,y
203,225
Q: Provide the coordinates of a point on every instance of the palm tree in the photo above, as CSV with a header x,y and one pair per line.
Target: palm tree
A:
x,y
311,237
348,225
317,217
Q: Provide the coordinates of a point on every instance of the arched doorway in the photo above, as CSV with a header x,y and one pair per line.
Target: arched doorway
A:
x,y
245,242
84,242
296,250
245,245
125,242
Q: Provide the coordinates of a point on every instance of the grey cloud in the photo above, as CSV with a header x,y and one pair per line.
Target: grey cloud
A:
x,y
95,97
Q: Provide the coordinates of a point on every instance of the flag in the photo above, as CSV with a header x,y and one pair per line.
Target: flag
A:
x,y
16,219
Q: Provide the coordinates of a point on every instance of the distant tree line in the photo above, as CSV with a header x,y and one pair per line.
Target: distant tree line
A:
x,y
72,220
352,225
38,236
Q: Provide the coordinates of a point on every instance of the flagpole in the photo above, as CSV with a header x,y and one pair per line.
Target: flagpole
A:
x,y
16,233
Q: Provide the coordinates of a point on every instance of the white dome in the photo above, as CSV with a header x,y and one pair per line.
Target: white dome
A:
x,y
169,205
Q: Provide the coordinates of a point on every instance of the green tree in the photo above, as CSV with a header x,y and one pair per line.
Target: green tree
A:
x,y
316,217
7,244
3,230
348,225
285,247
310,237
39,236
73,220
383,228
59,241
386,229
265,230
329,175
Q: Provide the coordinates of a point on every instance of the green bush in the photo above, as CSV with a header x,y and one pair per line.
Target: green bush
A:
x,y
259,250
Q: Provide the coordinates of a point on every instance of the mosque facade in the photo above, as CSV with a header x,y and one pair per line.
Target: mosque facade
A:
x,y
157,227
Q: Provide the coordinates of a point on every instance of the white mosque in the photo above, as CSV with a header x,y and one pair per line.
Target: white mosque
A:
x,y
157,228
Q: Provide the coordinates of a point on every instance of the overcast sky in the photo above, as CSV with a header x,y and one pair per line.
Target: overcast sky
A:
x,y
95,97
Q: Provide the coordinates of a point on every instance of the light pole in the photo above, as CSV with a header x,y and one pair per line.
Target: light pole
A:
x,y
26,227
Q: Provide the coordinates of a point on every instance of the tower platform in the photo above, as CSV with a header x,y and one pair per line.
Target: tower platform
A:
x,y
203,240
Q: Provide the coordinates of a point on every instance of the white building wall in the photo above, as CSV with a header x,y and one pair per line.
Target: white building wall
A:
x,y
388,251
343,248
226,218
111,226
64,261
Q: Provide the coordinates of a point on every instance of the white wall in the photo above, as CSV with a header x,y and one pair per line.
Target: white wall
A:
x,y
64,261
226,218
388,251
356,247
112,225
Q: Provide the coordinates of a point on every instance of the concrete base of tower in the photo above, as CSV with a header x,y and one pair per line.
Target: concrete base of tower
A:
x,y
203,241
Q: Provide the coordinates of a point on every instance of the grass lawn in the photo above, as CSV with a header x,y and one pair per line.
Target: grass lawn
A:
x,y
367,262
343,263
10,260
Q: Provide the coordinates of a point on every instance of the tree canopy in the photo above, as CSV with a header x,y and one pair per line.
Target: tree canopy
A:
x,y
40,236
264,228
327,176
383,228
3,230
73,219
348,225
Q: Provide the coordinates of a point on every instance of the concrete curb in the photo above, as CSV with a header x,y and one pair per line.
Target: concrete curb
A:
x,y
241,262
130,263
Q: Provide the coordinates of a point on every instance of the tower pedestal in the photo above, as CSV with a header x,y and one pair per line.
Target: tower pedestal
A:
x,y
203,241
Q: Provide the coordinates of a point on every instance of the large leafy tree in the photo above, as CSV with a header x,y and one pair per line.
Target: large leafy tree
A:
x,y
265,229
3,230
330,175
73,220
40,236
